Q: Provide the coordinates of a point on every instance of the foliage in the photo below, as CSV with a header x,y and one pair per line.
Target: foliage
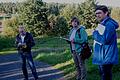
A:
x,y
34,15
10,27
69,11
42,18
54,8
86,13
6,43
115,14
61,26
58,26
9,8
83,11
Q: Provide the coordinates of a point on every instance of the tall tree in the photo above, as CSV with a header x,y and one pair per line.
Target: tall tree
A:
x,y
68,11
34,15
86,13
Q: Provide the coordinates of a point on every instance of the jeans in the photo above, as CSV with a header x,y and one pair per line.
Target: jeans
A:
x,y
106,71
80,66
26,56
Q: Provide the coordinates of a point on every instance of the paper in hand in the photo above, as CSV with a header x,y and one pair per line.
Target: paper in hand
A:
x,y
100,29
66,39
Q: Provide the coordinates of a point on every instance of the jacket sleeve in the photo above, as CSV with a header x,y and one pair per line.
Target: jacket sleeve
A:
x,y
82,38
16,42
31,41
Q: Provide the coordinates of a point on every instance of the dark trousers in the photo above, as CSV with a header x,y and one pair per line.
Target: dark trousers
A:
x,y
106,71
80,66
28,57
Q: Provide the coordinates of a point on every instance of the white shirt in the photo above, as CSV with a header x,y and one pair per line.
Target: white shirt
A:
x,y
72,37
22,38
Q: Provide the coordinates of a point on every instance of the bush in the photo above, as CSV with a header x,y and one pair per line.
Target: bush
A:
x,y
6,42
10,27
58,26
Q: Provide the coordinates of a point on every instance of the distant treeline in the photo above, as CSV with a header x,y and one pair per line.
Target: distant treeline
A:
x,y
42,18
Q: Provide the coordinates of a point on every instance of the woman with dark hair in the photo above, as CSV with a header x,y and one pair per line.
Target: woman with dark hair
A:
x,y
78,36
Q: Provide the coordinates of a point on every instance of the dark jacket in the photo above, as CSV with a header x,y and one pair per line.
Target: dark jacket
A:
x,y
28,40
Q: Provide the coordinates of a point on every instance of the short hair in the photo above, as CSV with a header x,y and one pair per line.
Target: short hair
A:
x,y
103,8
22,27
75,18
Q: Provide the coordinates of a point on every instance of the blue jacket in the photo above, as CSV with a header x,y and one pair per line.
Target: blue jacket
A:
x,y
80,37
107,51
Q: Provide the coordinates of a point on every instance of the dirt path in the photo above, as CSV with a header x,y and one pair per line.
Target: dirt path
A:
x,y
10,69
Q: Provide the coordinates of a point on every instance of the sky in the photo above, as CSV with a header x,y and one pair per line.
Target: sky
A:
x,y
114,3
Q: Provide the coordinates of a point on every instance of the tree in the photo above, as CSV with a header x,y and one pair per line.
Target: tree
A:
x,y
115,12
61,26
10,27
53,8
69,11
86,13
58,26
9,8
34,15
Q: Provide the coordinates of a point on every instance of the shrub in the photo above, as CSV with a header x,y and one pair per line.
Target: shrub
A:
x,y
10,27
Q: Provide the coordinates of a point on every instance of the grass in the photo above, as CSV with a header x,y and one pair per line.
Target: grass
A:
x,y
64,62
50,42
62,59
7,45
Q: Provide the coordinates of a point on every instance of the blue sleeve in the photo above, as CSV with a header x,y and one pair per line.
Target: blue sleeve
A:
x,y
98,37
110,33
107,36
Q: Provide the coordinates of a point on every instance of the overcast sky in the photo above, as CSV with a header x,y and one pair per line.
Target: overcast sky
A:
x,y
115,3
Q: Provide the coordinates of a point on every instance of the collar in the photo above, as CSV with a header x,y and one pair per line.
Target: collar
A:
x,y
23,34
104,20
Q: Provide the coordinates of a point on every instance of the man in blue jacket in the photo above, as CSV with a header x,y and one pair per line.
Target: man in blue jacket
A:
x,y
24,43
105,43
